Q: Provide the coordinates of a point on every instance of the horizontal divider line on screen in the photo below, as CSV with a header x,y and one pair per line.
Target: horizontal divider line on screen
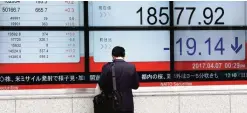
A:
x,y
83,78
139,28
112,28
169,28
39,28
210,28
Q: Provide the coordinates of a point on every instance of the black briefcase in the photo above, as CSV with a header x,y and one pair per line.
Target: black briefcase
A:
x,y
106,103
100,103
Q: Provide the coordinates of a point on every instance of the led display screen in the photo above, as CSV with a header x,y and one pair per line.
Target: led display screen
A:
x,y
126,13
41,51
148,50
68,42
214,50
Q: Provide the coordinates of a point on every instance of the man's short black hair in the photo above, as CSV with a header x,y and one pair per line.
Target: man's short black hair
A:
x,y
118,51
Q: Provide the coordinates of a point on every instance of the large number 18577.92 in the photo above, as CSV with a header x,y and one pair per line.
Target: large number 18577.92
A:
x,y
161,15
152,12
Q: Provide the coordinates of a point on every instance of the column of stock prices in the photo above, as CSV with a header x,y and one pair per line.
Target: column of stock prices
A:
x,y
167,41
41,51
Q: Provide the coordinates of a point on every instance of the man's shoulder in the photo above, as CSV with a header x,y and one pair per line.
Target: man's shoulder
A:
x,y
107,64
129,64
125,64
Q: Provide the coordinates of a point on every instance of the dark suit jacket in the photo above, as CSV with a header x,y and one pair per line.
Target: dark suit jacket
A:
x,y
126,79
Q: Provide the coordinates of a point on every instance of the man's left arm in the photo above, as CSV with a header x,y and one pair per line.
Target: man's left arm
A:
x,y
103,77
135,79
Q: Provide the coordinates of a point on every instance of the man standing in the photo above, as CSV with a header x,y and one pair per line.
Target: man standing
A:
x,y
126,79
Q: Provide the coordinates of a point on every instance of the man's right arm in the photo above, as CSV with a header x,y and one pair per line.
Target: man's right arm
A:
x,y
135,82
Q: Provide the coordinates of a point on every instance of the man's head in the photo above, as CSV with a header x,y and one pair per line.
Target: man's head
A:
x,y
118,51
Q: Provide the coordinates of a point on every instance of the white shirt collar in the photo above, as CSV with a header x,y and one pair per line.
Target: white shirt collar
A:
x,y
120,58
